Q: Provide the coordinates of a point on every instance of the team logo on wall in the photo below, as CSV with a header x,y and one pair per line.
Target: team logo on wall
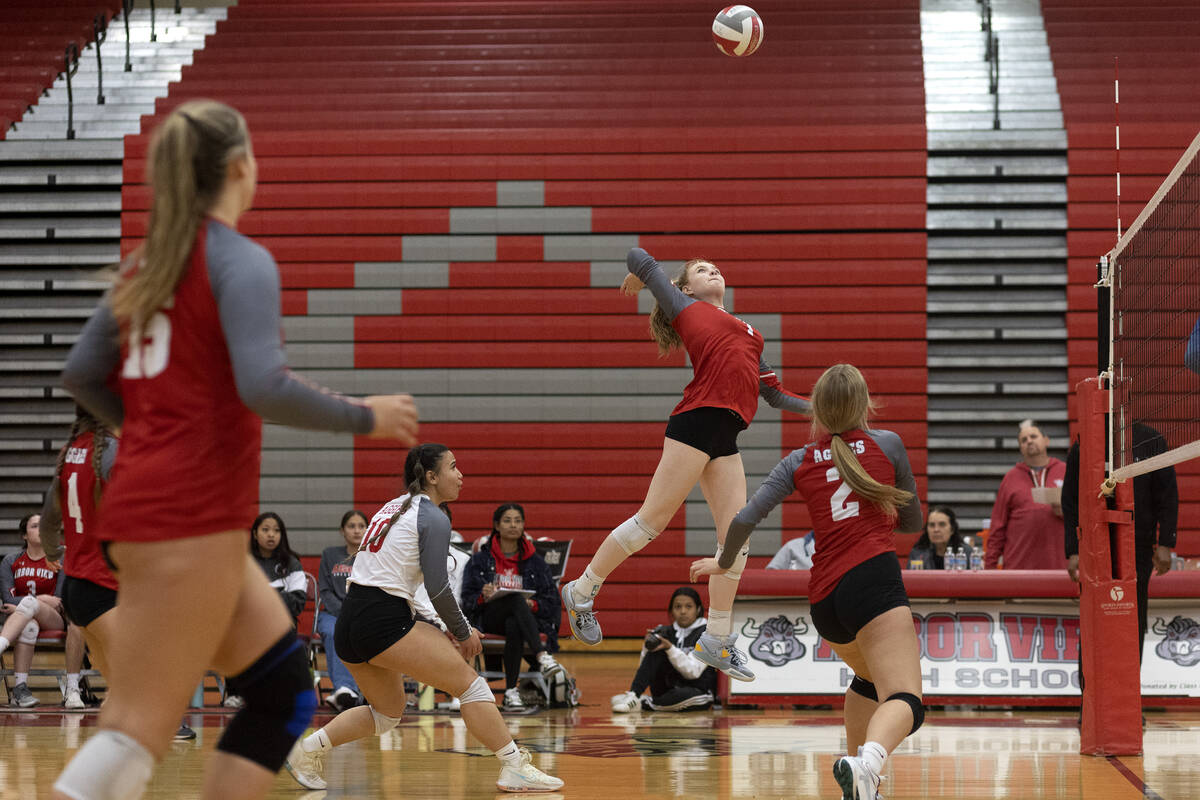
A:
x,y
1181,640
775,641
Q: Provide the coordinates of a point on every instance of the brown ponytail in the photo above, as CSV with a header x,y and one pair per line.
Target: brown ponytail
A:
x,y
189,154
421,461
840,403
101,437
667,337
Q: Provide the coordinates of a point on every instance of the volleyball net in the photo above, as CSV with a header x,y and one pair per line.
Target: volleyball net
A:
x,y
1154,325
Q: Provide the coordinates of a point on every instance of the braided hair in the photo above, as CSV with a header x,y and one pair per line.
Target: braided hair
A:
x,y
421,461
102,436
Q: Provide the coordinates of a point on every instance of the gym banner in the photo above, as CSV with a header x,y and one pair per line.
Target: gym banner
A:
x,y
968,647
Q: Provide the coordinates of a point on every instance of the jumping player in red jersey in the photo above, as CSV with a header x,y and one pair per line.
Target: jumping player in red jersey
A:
x,y
859,488
191,330
700,445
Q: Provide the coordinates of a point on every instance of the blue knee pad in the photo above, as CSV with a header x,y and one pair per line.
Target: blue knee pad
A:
x,y
280,701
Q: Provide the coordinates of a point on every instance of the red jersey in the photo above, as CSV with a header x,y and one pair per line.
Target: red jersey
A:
x,y
77,492
725,353
190,448
847,530
31,577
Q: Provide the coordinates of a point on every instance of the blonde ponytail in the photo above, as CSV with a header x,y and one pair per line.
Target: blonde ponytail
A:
x,y
186,166
840,403
661,331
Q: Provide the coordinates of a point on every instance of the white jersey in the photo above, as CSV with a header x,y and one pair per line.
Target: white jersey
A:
x,y
399,557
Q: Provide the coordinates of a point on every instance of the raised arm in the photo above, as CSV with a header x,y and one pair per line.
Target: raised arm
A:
x,y
433,536
92,361
643,266
774,489
771,390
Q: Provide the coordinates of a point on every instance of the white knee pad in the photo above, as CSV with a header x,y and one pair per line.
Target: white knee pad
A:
x,y
30,633
633,535
28,605
383,723
110,766
739,563
477,692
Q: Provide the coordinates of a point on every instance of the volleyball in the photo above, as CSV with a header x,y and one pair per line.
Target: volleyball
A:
x,y
737,30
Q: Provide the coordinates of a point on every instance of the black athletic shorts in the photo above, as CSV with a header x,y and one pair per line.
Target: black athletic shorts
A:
x,y
371,621
866,591
84,602
712,430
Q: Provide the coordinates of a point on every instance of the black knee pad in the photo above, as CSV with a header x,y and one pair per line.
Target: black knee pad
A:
x,y
918,710
280,701
864,688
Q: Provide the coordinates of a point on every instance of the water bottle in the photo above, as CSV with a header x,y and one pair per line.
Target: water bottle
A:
x,y
976,558
960,559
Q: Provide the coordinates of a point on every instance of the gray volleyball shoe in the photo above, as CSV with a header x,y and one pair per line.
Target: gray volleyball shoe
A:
x,y
723,655
583,622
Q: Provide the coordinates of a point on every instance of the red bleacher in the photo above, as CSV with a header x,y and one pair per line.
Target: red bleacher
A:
x,y
1155,54
801,171
35,35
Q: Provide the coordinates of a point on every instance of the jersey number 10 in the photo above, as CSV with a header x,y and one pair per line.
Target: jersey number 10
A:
x,y
149,348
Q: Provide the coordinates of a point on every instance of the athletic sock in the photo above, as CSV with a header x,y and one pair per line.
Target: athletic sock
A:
x,y
873,755
586,586
720,623
21,677
72,681
4,643
510,755
317,742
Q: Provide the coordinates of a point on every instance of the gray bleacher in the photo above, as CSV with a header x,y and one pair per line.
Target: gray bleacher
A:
x,y
997,274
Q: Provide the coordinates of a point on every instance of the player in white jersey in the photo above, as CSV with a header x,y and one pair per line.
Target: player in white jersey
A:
x,y
379,640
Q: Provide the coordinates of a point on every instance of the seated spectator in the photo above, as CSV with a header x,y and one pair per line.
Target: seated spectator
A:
x,y
677,680
336,562
1026,523
941,533
795,554
31,593
269,544
508,589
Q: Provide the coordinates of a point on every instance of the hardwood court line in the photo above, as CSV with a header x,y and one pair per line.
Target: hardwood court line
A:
x,y
1133,778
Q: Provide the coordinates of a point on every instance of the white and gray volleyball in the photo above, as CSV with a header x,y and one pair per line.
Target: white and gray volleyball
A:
x,y
737,30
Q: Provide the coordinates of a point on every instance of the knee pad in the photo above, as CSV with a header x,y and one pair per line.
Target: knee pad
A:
x,y
918,710
28,605
109,766
739,563
280,701
865,688
477,692
383,723
633,535
30,632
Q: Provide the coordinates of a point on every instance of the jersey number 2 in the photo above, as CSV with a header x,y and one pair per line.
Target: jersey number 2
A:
x,y
837,504
149,348
73,507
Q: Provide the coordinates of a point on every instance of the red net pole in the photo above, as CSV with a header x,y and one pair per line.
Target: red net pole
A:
x,y
1112,694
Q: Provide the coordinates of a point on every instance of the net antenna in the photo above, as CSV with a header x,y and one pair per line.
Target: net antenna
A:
x,y
1153,274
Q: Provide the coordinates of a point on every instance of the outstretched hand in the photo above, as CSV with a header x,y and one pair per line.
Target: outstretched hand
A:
x,y
704,566
395,417
631,285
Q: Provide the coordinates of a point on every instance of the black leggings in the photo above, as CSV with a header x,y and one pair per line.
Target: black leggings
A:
x,y
666,685
512,617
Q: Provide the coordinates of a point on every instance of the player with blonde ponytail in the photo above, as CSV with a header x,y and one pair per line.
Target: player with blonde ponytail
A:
x,y
859,488
184,356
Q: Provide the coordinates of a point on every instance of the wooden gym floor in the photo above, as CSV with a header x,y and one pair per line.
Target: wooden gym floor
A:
x,y
771,753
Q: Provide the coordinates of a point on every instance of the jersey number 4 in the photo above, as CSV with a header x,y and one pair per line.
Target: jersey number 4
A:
x,y
74,510
837,504
149,348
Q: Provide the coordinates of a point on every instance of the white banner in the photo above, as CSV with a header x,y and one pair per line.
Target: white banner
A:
x,y
968,647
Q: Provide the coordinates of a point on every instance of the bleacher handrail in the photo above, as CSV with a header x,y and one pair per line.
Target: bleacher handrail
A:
x,y
126,8
99,33
991,54
70,67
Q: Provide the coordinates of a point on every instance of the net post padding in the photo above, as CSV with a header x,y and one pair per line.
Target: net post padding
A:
x,y
1112,693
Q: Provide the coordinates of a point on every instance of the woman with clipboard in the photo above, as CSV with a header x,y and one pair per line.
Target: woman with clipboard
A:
x,y
508,590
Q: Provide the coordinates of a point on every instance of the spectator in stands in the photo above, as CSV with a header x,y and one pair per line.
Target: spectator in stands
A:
x,y
269,546
1155,516
508,589
336,563
31,592
677,680
795,554
940,534
1024,530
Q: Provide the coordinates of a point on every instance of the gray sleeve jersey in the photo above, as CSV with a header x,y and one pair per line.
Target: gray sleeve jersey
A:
x,y
774,490
245,285
670,299
92,359
433,535
909,516
772,391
